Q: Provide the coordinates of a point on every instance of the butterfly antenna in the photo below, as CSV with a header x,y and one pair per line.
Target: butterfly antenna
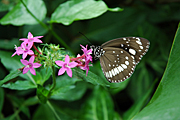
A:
x,y
86,38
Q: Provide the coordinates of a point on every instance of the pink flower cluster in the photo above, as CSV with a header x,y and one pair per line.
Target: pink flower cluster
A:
x,y
80,61
25,49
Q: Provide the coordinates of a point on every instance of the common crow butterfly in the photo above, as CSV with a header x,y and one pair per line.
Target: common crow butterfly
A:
x,y
118,57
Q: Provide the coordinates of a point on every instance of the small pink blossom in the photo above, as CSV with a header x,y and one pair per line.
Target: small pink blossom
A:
x,y
19,50
30,40
87,53
24,49
66,66
29,65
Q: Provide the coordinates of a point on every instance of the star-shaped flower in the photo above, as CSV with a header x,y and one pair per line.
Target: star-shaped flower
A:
x,y
30,40
66,66
29,65
87,53
23,49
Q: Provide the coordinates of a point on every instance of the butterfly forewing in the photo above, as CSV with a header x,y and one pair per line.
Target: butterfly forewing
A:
x,y
135,46
120,56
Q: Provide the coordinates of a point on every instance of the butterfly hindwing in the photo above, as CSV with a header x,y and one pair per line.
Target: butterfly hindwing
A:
x,y
117,64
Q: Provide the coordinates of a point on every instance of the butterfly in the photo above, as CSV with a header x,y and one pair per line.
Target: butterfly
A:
x,y
119,57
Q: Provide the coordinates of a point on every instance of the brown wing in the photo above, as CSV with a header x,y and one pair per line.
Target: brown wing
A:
x,y
117,64
135,46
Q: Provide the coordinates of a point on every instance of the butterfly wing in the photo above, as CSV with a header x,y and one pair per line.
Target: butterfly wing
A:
x,y
121,56
135,46
117,64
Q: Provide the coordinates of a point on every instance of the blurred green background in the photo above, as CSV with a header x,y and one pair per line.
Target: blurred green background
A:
x,y
155,20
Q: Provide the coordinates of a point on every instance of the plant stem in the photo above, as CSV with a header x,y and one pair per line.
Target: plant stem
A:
x,y
53,110
54,78
36,49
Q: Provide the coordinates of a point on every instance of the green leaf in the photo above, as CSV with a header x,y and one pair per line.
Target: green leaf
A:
x,y
42,94
75,10
165,102
1,99
19,85
91,77
64,85
99,106
13,63
9,44
20,16
10,76
74,92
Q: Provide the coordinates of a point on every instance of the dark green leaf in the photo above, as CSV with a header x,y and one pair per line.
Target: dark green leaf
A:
x,y
20,16
165,102
20,85
99,106
9,44
42,94
11,75
1,99
91,77
75,10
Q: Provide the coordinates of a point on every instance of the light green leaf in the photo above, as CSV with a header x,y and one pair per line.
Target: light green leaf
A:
x,y
19,85
74,10
99,106
165,102
20,16
10,76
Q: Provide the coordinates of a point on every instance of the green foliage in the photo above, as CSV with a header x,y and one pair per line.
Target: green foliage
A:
x,y
150,93
75,10
165,100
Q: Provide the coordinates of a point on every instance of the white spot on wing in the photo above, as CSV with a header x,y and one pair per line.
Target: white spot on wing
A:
x,y
141,47
138,42
124,66
120,68
126,62
132,51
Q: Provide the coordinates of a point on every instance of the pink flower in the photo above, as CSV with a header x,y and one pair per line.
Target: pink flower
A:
x,y
87,53
30,40
24,49
86,67
29,65
66,66
19,50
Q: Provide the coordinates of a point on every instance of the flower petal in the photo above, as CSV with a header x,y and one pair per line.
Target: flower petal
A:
x,y
31,59
67,59
61,71
25,70
36,65
37,40
69,72
32,70
59,63
38,36
24,55
23,39
24,62
30,52
13,54
72,64
30,35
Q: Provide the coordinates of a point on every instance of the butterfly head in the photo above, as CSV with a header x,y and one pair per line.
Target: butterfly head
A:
x,y
97,50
